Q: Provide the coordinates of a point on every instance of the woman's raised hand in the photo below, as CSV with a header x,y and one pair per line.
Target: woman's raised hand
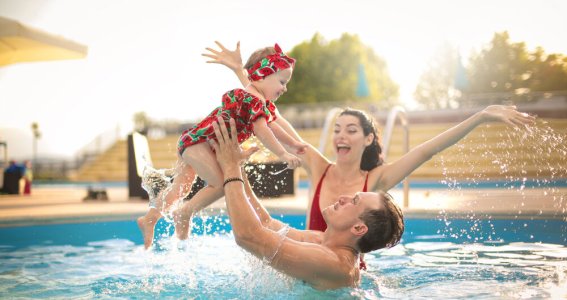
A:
x,y
507,114
231,59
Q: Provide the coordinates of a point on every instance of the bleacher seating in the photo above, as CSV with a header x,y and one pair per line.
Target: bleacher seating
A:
x,y
475,158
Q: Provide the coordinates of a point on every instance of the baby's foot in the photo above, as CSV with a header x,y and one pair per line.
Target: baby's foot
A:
x,y
147,229
181,221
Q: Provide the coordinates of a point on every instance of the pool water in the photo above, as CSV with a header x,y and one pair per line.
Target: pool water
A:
x,y
438,258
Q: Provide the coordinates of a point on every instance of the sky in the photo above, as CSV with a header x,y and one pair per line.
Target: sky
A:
x,y
146,55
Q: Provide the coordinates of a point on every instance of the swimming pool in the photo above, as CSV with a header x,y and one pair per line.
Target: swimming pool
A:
x,y
438,258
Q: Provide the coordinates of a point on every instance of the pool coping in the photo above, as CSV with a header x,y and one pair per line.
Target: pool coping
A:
x,y
408,214
64,205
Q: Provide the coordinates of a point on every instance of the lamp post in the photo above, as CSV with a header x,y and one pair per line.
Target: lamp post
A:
x,y
36,136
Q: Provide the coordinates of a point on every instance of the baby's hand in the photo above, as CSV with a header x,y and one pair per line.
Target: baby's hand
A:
x,y
231,59
300,147
291,160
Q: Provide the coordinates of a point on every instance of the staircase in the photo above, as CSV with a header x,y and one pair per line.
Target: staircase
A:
x,y
474,158
112,165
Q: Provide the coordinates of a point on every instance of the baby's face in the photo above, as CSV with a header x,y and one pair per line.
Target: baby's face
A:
x,y
275,85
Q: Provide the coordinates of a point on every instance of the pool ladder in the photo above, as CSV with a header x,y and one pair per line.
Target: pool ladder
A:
x,y
396,113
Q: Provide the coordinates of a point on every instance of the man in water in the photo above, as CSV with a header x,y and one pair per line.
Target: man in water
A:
x,y
327,260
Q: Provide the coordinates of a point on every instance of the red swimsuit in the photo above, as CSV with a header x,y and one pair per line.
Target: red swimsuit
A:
x,y
316,221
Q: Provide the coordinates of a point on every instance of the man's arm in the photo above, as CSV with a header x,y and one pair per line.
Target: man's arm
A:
x,y
311,262
274,224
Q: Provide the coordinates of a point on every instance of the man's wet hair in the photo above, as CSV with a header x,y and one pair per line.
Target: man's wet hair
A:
x,y
385,226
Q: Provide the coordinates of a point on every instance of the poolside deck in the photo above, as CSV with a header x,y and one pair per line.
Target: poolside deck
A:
x,y
63,205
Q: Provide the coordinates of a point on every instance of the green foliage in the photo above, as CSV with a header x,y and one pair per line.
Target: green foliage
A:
x,y
547,72
502,67
327,72
502,71
141,121
506,67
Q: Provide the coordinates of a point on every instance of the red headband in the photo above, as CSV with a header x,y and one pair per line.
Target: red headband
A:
x,y
270,65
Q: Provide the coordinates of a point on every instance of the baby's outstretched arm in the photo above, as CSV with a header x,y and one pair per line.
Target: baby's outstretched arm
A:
x,y
267,137
285,125
284,137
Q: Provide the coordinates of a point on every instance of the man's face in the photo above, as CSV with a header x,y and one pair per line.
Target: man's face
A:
x,y
345,213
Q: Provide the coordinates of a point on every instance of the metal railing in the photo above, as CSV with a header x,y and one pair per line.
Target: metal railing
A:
x,y
97,145
397,113
326,126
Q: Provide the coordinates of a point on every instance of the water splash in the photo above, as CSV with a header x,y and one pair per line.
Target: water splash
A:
x,y
504,170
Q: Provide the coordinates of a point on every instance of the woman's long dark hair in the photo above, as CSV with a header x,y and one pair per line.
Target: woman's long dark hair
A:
x,y
372,155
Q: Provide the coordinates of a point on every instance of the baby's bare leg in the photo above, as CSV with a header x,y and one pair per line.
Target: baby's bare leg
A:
x,y
204,162
181,186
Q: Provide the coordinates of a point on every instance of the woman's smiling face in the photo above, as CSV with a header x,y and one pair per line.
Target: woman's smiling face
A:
x,y
348,138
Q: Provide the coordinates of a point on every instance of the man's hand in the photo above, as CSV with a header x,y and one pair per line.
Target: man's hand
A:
x,y
228,151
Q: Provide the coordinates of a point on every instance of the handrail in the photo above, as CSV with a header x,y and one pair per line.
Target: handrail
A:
x,y
5,145
397,112
328,123
98,145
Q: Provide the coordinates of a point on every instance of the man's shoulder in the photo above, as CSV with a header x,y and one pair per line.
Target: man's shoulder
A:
x,y
343,272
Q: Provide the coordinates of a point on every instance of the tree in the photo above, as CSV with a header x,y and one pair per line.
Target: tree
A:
x,y
327,72
506,67
501,71
36,136
547,72
141,122
436,88
502,67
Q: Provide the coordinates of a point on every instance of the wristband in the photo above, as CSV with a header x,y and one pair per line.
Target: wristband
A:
x,y
231,180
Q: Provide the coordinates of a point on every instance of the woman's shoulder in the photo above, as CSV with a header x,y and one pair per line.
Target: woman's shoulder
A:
x,y
314,161
376,176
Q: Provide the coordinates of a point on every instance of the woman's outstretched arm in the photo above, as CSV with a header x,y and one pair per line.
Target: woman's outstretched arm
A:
x,y
391,174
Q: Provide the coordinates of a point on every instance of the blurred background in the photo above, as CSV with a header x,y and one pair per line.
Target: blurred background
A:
x,y
142,69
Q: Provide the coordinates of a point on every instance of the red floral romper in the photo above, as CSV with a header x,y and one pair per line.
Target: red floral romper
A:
x,y
238,104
